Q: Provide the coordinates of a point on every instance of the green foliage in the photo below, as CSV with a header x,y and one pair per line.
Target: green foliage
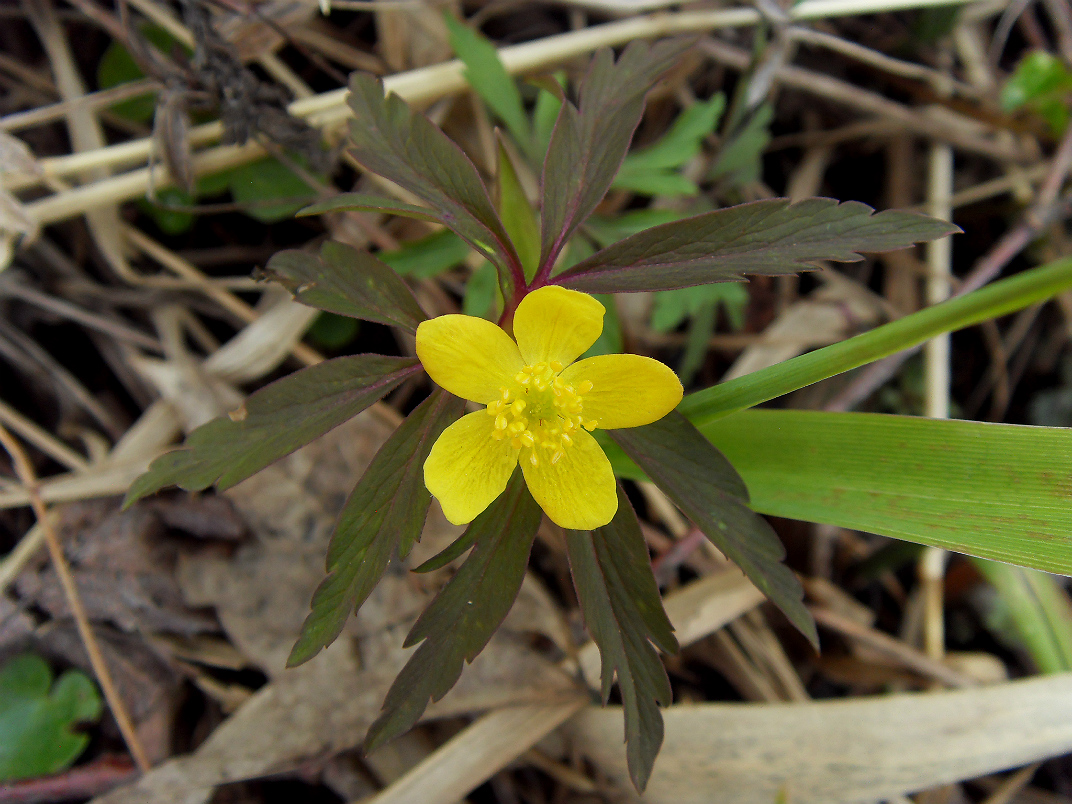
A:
x,y
739,160
117,67
706,487
486,74
1031,612
1043,84
169,221
624,614
269,179
984,489
383,517
332,331
655,170
518,216
38,719
347,282
481,292
459,622
765,237
275,421
429,256
672,307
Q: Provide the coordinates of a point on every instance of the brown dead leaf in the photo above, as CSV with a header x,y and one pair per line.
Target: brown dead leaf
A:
x,y
124,565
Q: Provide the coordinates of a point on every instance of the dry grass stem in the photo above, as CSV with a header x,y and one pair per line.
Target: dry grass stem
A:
x,y
28,478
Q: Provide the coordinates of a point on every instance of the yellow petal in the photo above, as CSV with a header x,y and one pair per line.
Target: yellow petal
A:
x,y
578,492
627,390
554,323
467,468
470,357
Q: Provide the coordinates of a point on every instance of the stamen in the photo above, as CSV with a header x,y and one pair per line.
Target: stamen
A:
x,y
558,456
585,387
500,422
526,439
590,425
566,440
533,459
556,366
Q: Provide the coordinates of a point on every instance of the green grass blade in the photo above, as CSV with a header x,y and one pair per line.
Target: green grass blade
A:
x,y
996,491
996,299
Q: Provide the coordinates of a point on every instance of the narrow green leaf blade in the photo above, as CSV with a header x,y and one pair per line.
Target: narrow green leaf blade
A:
x,y
996,299
274,422
705,486
1038,607
348,282
383,516
763,237
486,74
589,143
518,216
364,202
404,146
996,491
624,614
459,622
682,142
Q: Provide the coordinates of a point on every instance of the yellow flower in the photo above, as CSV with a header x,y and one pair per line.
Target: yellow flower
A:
x,y
540,407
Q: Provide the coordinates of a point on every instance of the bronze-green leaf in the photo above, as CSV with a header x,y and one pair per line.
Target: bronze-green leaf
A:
x,y
349,282
404,146
767,237
459,622
624,614
274,422
383,516
704,485
590,140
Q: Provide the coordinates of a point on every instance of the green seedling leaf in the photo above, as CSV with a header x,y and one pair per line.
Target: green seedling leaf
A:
x,y
739,160
590,141
996,299
545,113
606,231
429,256
459,622
403,146
348,282
1038,616
486,74
610,340
332,331
518,216
705,486
38,719
653,170
266,180
624,614
671,308
169,221
364,202
275,421
1041,82
481,292
764,237
383,517
117,67
996,491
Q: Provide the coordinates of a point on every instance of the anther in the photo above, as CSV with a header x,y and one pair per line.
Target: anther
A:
x,y
566,439
558,456
585,387
518,406
591,424
533,459
556,366
500,422
526,439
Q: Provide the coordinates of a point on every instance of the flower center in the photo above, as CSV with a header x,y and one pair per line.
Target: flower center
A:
x,y
540,413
